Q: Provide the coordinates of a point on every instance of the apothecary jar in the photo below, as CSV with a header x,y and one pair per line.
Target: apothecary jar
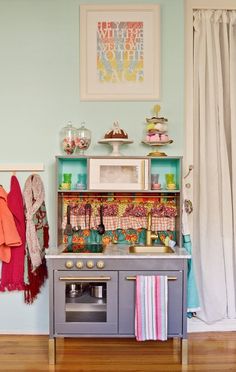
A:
x,y
83,138
68,137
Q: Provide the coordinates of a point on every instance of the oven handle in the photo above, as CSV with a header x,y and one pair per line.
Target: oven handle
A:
x,y
85,278
134,278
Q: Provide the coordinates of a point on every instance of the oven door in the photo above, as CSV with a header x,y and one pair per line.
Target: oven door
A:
x,y
85,302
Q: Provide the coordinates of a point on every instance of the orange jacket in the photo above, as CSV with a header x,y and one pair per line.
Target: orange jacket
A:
x,y
9,236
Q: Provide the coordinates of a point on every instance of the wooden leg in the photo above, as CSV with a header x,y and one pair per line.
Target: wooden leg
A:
x,y
52,351
176,342
184,351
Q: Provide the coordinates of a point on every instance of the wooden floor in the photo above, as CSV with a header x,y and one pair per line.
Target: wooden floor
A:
x,y
207,352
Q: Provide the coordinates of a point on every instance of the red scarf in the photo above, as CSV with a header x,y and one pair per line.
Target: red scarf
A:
x,y
13,272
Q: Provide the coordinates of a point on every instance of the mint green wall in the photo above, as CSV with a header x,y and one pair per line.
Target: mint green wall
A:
x,y
39,94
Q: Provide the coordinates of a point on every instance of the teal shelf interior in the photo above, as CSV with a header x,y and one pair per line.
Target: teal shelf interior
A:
x,y
75,166
162,166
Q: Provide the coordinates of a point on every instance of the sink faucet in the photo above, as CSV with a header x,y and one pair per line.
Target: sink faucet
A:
x,y
150,235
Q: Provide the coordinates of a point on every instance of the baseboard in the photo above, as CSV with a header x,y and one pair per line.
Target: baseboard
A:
x,y
23,332
197,325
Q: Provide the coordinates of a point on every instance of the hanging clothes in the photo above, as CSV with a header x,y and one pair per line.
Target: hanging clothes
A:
x,y
12,277
9,236
37,237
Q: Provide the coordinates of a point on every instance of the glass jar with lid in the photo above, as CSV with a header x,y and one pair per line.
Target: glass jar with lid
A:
x,y
68,138
83,138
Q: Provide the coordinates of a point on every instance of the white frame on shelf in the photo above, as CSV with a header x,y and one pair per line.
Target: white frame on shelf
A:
x,y
110,179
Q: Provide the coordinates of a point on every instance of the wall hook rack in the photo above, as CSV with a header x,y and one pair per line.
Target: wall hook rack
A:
x,y
22,167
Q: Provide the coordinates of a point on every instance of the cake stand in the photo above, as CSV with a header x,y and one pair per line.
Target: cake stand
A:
x,y
157,144
115,143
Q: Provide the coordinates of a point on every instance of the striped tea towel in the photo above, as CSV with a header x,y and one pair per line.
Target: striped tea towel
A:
x,y
151,307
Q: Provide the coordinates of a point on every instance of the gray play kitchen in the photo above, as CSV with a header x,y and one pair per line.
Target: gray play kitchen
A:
x,y
118,227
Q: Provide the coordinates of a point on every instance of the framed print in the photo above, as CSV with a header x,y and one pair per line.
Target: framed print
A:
x,y
119,52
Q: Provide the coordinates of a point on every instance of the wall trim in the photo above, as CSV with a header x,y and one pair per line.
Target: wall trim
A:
x,y
24,332
225,325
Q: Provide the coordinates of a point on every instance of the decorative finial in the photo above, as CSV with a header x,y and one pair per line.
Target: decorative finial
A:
x,y
156,109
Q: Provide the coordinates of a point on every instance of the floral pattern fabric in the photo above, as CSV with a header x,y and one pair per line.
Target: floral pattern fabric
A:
x,y
129,236
125,218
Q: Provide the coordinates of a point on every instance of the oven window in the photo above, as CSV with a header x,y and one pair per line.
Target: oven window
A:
x,y
118,173
86,302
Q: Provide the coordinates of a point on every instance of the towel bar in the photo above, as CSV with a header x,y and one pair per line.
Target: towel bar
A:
x,y
134,278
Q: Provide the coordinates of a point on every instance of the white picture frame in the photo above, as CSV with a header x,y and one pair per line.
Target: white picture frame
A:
x,y
118,174
120,52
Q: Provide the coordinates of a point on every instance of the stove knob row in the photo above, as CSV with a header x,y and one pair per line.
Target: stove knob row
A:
x,y
90,264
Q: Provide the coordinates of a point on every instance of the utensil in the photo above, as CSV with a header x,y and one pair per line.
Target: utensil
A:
x,y
98,290
77,227
88,211
101,228
75,289
68,229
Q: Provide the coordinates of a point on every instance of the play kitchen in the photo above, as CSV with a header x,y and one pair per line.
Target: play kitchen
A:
x,y
110,235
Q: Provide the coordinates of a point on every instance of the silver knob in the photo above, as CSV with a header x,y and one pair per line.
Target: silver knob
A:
x,y
79,264
100,264
69,264
90,264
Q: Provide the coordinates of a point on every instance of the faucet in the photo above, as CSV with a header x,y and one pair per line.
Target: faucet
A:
x,y
150,236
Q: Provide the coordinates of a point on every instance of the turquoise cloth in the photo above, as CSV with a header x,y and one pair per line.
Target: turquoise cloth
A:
x,y
193,303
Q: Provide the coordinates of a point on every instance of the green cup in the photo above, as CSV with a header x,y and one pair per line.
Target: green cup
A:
x,y
67,177
170,181
170,178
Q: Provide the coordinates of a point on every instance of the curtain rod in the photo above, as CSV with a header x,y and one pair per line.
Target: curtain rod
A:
x,y
83,196
22,167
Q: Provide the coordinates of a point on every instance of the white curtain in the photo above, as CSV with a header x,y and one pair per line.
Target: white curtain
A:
x,y
214,225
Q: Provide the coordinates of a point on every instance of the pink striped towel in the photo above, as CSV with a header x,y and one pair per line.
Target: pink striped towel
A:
x,y
151,307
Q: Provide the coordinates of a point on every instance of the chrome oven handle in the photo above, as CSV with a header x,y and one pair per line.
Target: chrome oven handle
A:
x,y
85,278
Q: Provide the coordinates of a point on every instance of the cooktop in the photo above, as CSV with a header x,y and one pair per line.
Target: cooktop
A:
x,y
83,248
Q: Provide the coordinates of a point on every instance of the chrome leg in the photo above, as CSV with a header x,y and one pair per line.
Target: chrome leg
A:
x,y
51,351
184,351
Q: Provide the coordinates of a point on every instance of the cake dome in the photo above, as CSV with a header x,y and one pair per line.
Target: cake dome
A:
x,y
116,132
